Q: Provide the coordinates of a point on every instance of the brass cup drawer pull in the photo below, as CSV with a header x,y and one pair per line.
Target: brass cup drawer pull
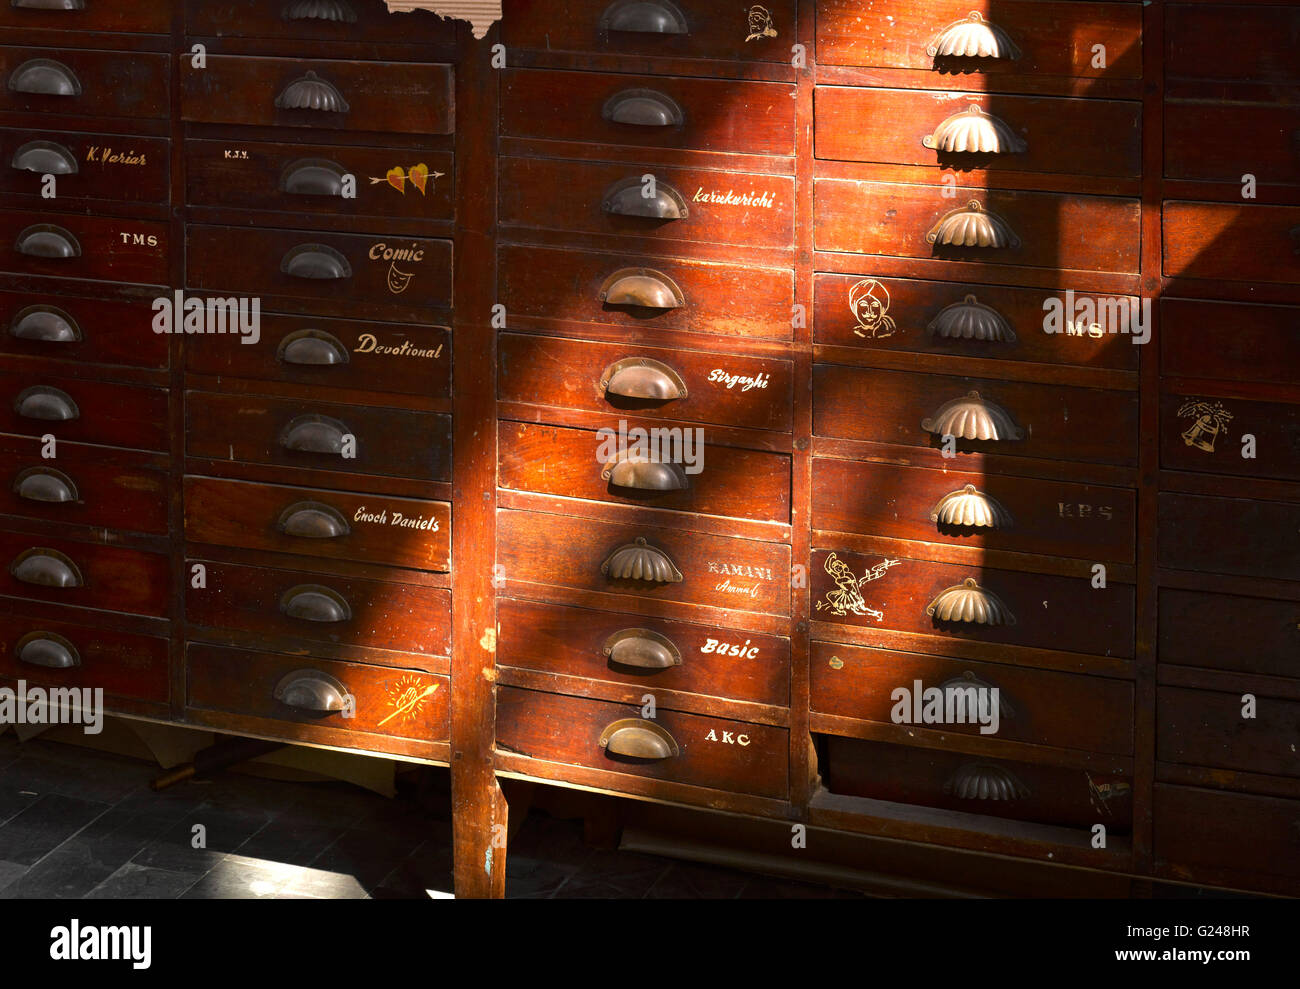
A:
x,y
642,649
969,680
315,603
985,781
971,319
641,287
640,474
311,92
312,692
973,417
46,404
641,561
973,37
44,567
47,649
312,348
315,261
643,108
312,520
337,11
46,324
633,738
45,484
315,434
643,17
44,158
44,77
642,378
975,131
972,226
313,177
628,197
971,604
46,240
970,507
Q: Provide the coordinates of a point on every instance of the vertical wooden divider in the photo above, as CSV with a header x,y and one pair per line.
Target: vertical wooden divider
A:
x,y
802,762
176,376
478,807
1144,755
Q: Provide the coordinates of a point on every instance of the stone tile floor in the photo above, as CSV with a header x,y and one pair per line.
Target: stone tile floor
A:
x,y
79,823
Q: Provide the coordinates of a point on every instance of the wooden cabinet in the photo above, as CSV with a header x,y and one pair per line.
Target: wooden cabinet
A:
x,y
807,367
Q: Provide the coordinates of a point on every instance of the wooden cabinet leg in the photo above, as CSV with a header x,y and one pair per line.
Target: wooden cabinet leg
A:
x,y
479,831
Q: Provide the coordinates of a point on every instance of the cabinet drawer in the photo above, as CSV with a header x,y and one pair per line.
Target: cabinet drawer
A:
x,y
683,28
1034,229
1037,134
59,654
924,317
65,245
701,751
1203,629
350,21
1204,433
972,603
83,411
134,17
1235,243
644,652
655,293
579,463
1232,41
312,180
59,326
987,511
1062,710
1072,798
686,205
293,695
1228,838
108,489
648,111
65,81
698,387
394,97
303,607
1037,38
1206,728
1221,142
1230,536
333,525
87,575
1230,341
356,439
317,265
116,167
336,354
918,410
718,571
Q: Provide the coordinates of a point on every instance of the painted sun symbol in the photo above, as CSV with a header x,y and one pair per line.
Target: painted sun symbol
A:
x,y
407,697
